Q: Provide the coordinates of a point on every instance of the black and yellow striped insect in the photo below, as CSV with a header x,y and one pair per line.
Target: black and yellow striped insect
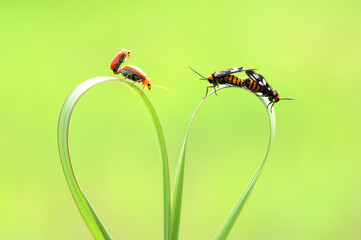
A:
x,y
224,77
256,83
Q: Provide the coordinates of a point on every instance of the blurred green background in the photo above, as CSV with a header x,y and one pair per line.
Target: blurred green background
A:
x,y
309,50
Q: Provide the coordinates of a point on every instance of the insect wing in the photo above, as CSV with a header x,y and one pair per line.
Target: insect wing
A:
x,y
117,61
228,72
133,72
260,80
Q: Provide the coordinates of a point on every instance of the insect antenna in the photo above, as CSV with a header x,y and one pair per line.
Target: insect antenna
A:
x,y
123,50
161,87
203,78
288,99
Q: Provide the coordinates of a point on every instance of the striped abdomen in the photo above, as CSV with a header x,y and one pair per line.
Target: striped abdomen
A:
x,y
231,79
254,87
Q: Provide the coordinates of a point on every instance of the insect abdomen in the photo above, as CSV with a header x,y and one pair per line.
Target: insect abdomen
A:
x,y
121,60
130,75
132,72
253,86
233,80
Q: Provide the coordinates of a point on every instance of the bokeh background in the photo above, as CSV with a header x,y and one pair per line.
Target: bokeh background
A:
x,y
309,50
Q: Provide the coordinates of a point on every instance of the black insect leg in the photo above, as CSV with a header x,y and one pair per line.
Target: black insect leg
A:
x,y
215,85
268,106
207,90
272,106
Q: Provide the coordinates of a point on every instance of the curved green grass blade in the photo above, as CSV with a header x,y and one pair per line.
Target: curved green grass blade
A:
x,y
90,217
178,189
227,226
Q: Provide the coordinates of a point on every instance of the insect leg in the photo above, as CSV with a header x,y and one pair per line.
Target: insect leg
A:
x,y
129,77
207,90
272,106
137,82
269,105
215,85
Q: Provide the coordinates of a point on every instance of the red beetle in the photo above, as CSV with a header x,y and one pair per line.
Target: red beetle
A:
x,y
118,60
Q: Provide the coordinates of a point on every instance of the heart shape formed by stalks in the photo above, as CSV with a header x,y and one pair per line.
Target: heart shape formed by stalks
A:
x,y
171,216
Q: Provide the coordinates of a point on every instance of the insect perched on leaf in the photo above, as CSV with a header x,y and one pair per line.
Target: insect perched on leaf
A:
x,y
130,71
224,77
118,60
136,74
256,83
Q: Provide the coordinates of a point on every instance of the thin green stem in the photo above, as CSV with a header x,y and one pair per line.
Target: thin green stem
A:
x,y
89,215
178,186
229,223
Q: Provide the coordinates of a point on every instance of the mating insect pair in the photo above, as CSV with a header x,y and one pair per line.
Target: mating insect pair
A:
x,y
255,82
129,71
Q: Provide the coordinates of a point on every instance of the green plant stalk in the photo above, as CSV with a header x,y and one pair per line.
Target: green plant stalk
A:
x,y
178,186
89,215
229,223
